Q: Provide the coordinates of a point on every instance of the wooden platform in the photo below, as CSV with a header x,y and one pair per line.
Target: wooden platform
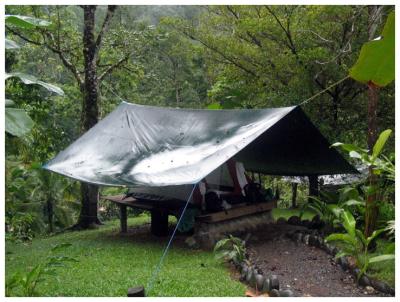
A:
x,y
161,209
238,211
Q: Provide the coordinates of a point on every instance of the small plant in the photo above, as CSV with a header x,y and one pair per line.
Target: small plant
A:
x,y
355,244
19,227
27,282
230,249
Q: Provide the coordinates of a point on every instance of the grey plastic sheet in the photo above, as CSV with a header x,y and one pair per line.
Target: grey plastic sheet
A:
x,y
138,146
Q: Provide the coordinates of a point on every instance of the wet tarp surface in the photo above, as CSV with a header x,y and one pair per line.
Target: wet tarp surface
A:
x,y
138,145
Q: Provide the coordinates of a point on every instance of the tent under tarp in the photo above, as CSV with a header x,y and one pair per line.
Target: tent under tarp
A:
x,y
138,146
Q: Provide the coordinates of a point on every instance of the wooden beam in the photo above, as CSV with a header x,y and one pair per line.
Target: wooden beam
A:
x,y
237,211
123,216
159,222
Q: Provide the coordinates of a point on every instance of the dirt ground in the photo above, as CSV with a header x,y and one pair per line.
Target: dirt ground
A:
x,y
307,271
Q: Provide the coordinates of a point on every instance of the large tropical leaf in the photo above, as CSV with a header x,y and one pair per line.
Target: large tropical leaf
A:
x,y
25,21
10,44
375,234
29,80
9,103
382,258
376,61
17,121
380,143
349,223
346,238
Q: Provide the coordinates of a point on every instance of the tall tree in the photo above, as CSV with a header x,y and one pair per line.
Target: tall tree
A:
x,y
88,75
90,91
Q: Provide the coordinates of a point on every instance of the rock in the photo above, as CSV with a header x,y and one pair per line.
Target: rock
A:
x,y
243,275
355,272
136,291
312,240
382,287
299,237
291,235
249,274
294,220
281,220
370,290
274,293
274,282
286,293
306,239
364,281
243,266
252,281
259,281
344,263
266,285
320,241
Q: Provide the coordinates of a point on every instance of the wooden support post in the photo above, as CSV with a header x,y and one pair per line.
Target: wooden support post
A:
x,y
313,185
159,222
294,194
123,216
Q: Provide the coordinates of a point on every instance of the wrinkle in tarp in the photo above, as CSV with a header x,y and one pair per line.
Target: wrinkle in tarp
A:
x,y
138,145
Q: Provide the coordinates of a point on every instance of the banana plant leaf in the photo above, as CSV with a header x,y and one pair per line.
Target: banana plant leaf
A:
x,y
29,80
376,63
17,121
10,44
9,103
26,22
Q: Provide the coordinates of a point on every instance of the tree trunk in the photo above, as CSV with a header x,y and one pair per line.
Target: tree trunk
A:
x,y
313,186
90,112
50,213
294,195
371,211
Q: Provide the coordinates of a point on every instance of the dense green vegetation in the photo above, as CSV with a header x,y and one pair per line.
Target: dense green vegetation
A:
x,y
193,57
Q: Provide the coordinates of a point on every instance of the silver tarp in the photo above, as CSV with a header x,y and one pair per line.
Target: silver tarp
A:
x,y
138,145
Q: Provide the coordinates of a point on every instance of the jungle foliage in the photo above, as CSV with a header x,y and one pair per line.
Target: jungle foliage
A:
x,y
180,56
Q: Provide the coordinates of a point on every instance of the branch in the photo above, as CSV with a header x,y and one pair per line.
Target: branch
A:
x,y
114,66
26,39
106,24
290,43
232,61
61,54
323,86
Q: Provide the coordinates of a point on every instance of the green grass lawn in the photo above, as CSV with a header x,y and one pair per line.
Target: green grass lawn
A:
x,y
110,263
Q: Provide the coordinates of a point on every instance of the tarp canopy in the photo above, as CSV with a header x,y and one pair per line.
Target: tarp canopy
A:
x,y
138,145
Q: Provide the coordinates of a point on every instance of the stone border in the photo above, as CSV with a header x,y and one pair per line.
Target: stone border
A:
x,y
262,283
316,240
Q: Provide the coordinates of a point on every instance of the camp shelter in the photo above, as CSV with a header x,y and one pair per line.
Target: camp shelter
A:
x,y
139,146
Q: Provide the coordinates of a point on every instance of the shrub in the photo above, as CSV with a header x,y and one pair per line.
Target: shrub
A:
x,y
230,249
355,244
